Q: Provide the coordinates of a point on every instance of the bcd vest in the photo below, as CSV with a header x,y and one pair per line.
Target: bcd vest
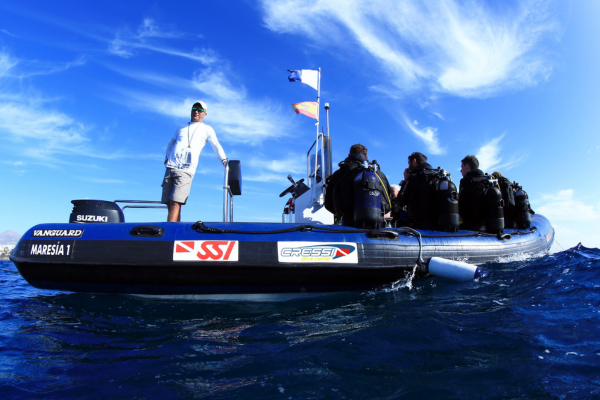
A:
x,y
344,192
368,193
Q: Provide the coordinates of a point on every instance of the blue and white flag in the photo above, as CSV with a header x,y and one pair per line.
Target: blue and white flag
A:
x,y
308,76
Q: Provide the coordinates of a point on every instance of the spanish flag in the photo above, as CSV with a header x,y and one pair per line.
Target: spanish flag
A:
x,y
308,108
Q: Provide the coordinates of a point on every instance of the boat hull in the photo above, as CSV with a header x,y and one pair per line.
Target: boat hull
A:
x,y
182,260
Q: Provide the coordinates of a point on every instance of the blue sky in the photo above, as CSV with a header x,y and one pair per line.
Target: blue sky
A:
x,y
90,94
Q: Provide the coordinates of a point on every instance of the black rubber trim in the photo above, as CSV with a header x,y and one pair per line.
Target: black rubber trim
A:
x,y
199,226
147,231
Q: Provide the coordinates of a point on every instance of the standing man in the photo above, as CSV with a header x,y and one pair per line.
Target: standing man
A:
x,y
181,160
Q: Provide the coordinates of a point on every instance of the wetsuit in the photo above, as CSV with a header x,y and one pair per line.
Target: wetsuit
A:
x,y
418,195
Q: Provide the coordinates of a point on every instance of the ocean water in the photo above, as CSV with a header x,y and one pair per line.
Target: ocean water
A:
x,y
527,329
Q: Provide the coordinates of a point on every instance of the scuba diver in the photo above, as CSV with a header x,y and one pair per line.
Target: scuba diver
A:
x,y
358,193
469,198
417,195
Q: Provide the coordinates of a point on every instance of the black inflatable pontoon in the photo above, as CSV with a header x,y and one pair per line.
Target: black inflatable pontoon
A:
x,y
234,258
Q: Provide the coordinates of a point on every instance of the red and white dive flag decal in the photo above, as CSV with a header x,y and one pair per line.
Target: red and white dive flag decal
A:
x,y
205,250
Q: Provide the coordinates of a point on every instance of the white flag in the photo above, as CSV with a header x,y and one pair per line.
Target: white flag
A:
x,y
308,76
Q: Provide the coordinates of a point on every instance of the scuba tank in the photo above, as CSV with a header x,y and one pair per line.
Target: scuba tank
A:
x,y
447,203
522,217
367,199
508,196
492,206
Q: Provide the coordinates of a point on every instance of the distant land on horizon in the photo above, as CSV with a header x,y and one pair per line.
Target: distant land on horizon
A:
x,y
9,237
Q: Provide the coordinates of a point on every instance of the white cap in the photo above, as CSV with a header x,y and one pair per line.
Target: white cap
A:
x,y
203,104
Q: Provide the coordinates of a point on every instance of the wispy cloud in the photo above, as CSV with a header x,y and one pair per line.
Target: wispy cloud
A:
x,y
489,156
42,134
293,163
35,129
574,218
277,170
463,49
428,135
7,63
231,110
562,206
266,177
28,68
4,31
106,181
149,28
437,114
126,43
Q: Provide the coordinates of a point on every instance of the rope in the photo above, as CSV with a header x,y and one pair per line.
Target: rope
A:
x,y
201,227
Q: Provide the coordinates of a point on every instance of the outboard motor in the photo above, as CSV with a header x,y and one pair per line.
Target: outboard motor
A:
x,y
522,215
367,199
447,203
493,207
85,211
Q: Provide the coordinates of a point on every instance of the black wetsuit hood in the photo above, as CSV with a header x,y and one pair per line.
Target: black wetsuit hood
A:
x,y
421,167
474,172
360,157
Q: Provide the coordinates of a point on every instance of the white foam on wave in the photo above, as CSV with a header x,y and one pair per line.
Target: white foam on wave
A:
x,y
520,257
250,297
405,282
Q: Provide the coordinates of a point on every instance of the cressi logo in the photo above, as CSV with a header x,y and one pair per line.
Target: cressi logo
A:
x,y
205,250
317,252
333,251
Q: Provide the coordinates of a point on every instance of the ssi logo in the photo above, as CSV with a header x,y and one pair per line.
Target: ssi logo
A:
x,y
205,250
295,252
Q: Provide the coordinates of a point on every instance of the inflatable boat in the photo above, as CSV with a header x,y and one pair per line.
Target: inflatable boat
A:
x,y
250,258
98,252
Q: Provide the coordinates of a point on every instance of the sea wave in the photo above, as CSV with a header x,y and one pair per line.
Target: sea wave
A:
x,y
528,328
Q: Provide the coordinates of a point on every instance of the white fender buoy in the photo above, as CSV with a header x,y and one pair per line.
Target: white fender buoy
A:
x,y
456,270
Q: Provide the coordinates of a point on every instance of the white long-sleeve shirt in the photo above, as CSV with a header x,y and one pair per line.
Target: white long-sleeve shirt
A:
x,y
194,136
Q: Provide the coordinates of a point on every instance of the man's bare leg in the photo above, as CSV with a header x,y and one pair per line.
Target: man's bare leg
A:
x,y
174,211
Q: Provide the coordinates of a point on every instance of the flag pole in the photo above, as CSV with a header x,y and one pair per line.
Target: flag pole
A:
x,y
322,135
317,139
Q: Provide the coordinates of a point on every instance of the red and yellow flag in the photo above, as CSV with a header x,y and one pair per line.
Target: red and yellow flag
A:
x,y
308,108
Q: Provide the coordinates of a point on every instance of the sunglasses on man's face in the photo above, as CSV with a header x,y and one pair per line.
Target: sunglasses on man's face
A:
x,y
199,109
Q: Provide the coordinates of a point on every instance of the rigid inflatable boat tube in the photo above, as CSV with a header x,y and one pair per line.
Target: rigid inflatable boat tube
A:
x,y
456,270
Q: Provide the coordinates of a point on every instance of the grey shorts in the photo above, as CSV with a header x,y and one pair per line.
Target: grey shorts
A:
x,y
176,186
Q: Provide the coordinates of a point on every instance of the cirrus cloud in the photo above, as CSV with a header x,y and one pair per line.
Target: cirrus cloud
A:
x,y
462,49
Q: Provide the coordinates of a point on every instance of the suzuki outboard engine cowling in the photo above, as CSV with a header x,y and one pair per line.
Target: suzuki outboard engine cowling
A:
x,y
367,201
86,211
